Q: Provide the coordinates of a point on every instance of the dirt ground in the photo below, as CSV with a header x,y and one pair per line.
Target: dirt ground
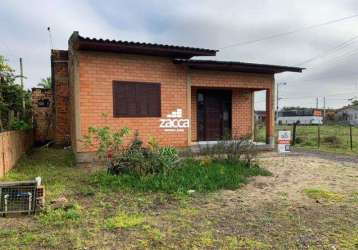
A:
x,y
310,202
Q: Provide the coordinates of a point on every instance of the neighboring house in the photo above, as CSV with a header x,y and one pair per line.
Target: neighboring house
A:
x,y
260,116
305,116
156,89
348,114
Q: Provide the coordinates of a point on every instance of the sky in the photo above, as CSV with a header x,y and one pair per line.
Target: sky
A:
x,y
332,71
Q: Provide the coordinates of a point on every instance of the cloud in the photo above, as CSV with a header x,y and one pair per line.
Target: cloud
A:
x,y
209,23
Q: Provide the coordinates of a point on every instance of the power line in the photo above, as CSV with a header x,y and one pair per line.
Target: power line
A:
x,y
289,32
334,49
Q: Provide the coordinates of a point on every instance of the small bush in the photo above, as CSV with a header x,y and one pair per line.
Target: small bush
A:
x,y
332,140
19,125
298,140
143,161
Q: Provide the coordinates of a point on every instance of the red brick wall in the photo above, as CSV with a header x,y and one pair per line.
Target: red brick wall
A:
x,y
43,116
13,144
97,70
60,78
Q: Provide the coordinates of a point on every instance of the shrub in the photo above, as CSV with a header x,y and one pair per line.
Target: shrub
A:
x,y
109,142
298,140
332,140
144,161
19,125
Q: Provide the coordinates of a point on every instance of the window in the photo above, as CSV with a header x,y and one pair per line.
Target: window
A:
x,y
135,99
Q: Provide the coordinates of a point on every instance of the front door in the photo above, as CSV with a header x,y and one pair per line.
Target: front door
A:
x,y
213,114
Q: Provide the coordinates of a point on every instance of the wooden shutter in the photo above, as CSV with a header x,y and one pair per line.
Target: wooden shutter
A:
x,y
133,99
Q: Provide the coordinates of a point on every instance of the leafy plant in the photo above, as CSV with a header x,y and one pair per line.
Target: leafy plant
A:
x,y
45,83
108,142
19,125
144,161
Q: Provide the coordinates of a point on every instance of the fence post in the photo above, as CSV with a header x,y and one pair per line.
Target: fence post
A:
x,y
293,134
351,136
318,136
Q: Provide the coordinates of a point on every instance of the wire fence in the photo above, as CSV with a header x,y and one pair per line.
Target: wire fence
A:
x,y
334,138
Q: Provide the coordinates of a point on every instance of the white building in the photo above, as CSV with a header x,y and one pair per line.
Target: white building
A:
x,y
300,116
348,114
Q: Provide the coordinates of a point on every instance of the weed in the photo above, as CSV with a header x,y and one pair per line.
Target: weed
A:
x,y
59,217
192,175
206,239
320,194
124,220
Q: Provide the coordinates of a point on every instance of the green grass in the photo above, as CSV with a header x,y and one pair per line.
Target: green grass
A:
x,y
123,220
321,194
307,137
191,176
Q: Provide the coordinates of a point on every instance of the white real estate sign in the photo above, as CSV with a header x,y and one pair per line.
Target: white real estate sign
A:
x,y
284,141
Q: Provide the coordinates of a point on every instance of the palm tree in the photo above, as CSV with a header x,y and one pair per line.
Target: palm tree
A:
x,y
45,83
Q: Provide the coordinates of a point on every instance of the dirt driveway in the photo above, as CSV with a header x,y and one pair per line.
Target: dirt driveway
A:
x,y
310,201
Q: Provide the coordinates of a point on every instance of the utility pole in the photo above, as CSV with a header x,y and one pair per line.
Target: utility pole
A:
x,y
324,107
277,97
22,87
316,102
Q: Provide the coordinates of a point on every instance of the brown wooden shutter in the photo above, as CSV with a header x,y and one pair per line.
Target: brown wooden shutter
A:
x,y
133,99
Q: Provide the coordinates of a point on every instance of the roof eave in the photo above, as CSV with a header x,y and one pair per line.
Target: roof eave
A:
x,y
81,43
238,67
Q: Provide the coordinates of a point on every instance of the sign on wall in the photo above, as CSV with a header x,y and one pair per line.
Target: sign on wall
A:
x,y
284,141
174,121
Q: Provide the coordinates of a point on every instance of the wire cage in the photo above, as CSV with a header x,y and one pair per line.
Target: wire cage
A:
x,y
18,197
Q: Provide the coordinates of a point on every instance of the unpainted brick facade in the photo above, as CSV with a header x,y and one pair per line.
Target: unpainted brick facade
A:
x,y
97,70
60,75
43,115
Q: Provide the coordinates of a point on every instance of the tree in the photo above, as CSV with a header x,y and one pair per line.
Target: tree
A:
x,y
355,103
45,83
11,97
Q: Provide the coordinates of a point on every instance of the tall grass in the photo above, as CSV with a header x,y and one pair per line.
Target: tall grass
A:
x,y
192,175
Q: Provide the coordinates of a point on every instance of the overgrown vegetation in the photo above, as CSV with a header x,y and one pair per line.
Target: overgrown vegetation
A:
x,y
199,175
15,102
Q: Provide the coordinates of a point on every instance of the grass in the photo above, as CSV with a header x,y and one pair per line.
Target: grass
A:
x,y
119,213
123,220
334,138
321,194
191,176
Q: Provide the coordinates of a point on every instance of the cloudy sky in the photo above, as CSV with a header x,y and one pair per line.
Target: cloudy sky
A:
x,y
330,51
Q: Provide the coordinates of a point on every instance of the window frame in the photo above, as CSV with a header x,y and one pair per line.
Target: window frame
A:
x,y
136,83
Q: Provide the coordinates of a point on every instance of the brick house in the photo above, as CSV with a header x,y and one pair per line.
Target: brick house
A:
x,y
156,89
